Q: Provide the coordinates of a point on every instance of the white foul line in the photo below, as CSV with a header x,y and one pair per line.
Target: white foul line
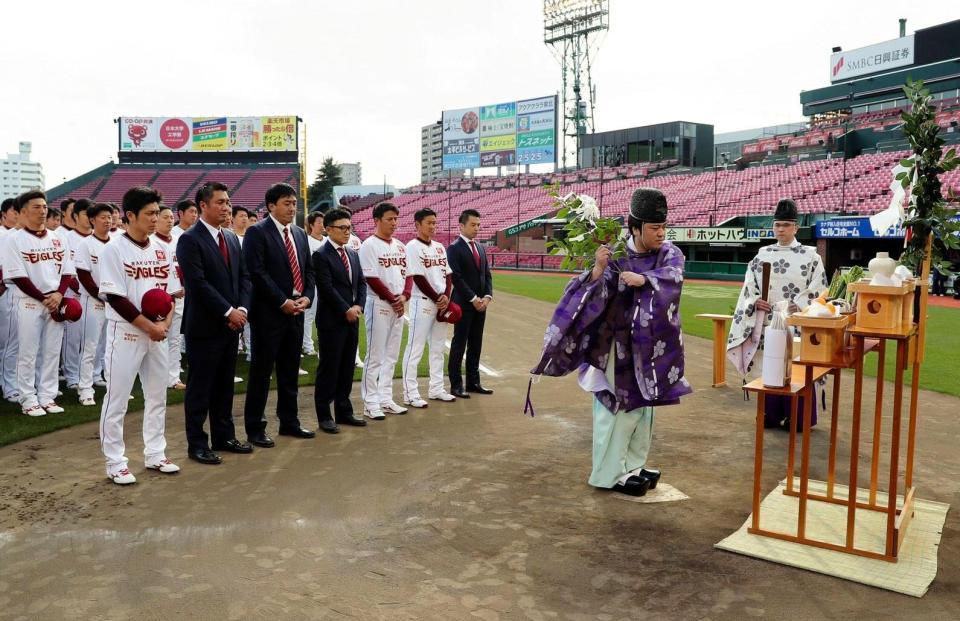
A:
x,y
483,368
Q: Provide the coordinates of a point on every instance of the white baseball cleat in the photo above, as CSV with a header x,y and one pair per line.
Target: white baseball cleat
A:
x,y
100,383
443,396
122,477
302,372
88,401
52,408
237,380
416,403
35,410
393,408
358,364
165,466
73,386
373,414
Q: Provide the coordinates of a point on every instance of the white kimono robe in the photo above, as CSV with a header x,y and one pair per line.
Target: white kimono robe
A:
x,y
796,275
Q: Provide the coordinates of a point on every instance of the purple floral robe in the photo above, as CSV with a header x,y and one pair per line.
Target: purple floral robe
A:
x,y
640,324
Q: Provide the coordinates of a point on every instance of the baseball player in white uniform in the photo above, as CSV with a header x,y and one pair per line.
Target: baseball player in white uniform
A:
x,y
164,238
73,331
8,318
130,266
86,260
36,261
432,283
315,238
384,263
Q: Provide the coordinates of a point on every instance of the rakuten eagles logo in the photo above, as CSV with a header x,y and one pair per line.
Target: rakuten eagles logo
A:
x,y
138,272
43,255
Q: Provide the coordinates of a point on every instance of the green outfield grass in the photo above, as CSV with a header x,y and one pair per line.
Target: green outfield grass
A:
x,y
940,368
14,426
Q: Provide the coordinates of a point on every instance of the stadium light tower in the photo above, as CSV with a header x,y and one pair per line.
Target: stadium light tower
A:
x,y
573,30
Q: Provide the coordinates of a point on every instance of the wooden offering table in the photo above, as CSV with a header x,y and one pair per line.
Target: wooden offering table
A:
x,y
805,373
719,346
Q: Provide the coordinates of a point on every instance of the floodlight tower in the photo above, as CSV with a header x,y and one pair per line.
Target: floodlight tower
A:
x,y
573,29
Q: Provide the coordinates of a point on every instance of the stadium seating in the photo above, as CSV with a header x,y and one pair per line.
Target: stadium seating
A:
x,y
248,185
817,186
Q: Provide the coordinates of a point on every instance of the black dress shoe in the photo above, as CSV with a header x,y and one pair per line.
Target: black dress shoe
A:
x,y
233,446
653,475
353,421
634,486
263,441
459,393
328,426
298,432
204,456
479,390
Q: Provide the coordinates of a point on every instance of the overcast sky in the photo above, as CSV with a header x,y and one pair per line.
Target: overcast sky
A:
x,y
365,75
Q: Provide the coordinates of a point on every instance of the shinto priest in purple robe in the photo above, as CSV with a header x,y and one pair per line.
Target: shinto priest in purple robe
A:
x,y
618,327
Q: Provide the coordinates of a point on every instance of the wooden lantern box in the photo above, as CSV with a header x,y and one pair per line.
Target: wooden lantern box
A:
x,y
881,307
821,338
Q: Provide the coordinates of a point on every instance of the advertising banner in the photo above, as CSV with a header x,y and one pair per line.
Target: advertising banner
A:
x,y
705,234
841,228
498,143
503,134
208,134
498,158
461,138
871,59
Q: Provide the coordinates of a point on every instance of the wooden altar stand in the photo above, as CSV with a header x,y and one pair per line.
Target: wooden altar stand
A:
x,y
805,374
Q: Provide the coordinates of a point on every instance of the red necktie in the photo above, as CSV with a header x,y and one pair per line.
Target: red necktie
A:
x,y
476,255
294,264
346,262
223,248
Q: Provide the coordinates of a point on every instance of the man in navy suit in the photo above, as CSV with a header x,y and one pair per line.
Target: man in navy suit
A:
x,y
277,257
472,291
215,312
341,294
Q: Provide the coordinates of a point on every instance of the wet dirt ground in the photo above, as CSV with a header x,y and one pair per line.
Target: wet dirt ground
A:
x,y
460,511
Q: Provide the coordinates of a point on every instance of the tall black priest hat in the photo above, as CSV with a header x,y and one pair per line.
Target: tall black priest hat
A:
x,y
786,210
649,205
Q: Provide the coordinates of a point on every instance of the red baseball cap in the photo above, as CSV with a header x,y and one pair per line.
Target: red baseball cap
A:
x,y
70,310
451,314
156,304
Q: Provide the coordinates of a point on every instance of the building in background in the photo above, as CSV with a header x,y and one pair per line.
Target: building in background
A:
x,y
350,173
431,154
18,173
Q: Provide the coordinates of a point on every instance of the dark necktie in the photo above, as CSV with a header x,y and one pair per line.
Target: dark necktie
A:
x,y
476,255
223,248
346,261
294,264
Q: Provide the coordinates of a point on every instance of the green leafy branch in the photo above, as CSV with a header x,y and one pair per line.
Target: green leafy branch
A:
x,y
584,231
928,211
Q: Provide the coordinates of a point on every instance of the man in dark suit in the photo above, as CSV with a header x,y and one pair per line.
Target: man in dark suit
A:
x,y
341,294
277,257
472,291
214,313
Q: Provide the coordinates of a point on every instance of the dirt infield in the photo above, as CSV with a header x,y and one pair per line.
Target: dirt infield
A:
x,y
461,511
